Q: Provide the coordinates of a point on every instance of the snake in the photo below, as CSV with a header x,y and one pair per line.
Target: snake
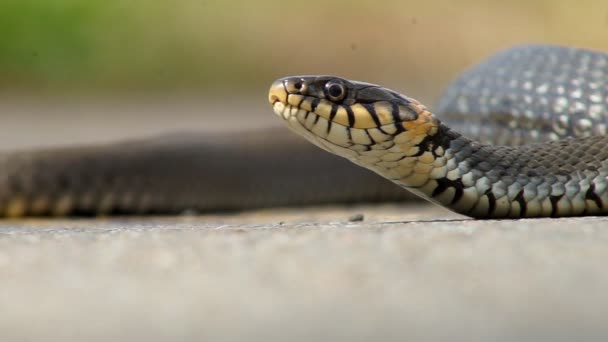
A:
x,y
538,92
520,134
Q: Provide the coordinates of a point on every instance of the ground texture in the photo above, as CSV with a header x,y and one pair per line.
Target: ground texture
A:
x,y
403,273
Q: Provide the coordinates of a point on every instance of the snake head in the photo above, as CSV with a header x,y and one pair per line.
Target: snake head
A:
x,y
339,115
349,103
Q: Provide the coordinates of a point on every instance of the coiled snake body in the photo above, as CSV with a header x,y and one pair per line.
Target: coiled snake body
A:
x,y
522,96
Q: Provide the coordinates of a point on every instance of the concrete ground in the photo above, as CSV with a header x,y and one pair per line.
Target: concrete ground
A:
x,y
402,273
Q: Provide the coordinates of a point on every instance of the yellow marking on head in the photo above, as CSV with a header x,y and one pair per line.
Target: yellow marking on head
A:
x,y
384,111
363,119
295,99
425,125
306,104
390,128
409,138
341,116
277,92
323,109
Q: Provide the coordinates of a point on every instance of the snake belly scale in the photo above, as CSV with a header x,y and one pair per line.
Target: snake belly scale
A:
x,y
400,139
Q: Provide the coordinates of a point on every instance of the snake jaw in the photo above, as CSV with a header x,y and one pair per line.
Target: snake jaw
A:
x,y
280,110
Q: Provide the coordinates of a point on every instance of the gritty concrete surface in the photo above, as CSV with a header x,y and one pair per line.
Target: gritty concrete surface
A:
x,y
404,273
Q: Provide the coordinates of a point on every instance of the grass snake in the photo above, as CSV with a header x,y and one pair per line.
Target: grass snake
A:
x,y
526,96
535,93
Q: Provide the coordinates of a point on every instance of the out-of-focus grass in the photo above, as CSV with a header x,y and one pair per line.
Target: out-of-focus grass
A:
x,y
142,44
46,40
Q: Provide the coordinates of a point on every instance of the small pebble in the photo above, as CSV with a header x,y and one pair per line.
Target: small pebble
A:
x,y
356,218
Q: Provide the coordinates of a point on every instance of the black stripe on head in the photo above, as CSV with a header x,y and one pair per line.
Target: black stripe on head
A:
x,y
396,118
314,103
351,116
334,111
372,111
332,115
350,135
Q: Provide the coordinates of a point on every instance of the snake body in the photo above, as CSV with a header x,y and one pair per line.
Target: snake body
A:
x,y
181,173
401,140
520,96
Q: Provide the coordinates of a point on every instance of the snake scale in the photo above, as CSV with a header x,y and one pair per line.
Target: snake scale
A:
x,y
521,134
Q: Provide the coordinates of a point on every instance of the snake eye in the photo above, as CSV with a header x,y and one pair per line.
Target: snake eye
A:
x,y
335,91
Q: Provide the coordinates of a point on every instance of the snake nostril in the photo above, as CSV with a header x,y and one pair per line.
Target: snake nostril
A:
x,y
277,93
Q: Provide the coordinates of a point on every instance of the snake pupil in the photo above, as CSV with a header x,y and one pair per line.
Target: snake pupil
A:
x,y
335,91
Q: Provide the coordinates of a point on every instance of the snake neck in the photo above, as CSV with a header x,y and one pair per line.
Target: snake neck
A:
x,y
483,181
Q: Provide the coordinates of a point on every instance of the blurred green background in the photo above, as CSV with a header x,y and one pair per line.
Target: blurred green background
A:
x,y
152,45
78,71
